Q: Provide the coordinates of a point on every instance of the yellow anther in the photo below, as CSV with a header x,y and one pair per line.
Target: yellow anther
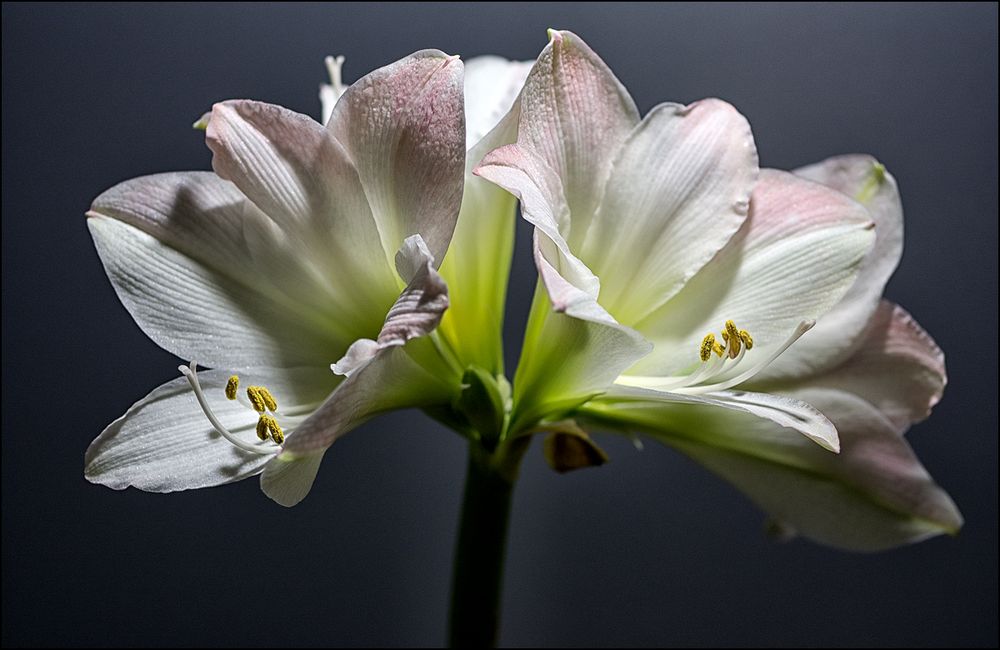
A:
x,y
262,428
232,386
707,344
273,427
747,339
256,398
710,345
261,398
733,338
269,401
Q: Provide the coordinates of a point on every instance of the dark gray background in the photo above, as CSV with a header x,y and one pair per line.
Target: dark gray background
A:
x,y
649,549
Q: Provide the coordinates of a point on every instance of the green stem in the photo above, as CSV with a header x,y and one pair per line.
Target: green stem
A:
x,y
482,537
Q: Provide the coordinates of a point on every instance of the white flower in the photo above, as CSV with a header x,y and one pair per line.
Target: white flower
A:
x,y
309,245
678,284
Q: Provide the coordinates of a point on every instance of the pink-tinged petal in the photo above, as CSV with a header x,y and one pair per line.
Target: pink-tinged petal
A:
x,y
898,368
871,496
796,255
838,333
679,189
417,311
574,115
206,277
165,443
303,179
404,127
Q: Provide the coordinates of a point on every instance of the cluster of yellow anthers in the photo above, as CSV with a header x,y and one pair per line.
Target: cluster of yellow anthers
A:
x,y
734,338
262,401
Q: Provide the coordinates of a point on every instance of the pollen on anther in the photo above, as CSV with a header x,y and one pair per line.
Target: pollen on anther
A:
x,y
277,435
262,428
747,339
256,398
269,401
708,346
232,386
733,338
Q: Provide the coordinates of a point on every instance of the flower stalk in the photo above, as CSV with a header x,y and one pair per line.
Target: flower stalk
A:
x,y
477,575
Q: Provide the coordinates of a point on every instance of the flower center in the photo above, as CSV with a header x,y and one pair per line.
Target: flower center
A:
x,y
258,398
727,359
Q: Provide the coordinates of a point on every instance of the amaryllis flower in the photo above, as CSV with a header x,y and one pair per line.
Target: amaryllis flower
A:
x,y
310,245
731,312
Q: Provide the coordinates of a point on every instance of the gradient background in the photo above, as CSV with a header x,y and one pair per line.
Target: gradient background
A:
x,y
647,550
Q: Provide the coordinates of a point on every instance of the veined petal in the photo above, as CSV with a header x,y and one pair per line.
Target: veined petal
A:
x,y
477,264
841,330
783,411
164,442
898,368
215,305
404,127
574,116
794,258
872,496
303,179
417,311
679,189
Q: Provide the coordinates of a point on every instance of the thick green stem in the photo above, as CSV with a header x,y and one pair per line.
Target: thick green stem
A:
x,y
482,538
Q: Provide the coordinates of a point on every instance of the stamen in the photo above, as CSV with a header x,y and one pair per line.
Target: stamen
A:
x,y
262,428
801,329
732,337
274,428
747,339
261,398
232,386
709,345
192,376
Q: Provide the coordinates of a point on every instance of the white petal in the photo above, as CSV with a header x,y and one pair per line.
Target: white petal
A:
x,y
404,127
165,443
679,189
304,180
215,314
783,411
841,330
898,368
874,495
793,259
288,478
573,349
492,84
